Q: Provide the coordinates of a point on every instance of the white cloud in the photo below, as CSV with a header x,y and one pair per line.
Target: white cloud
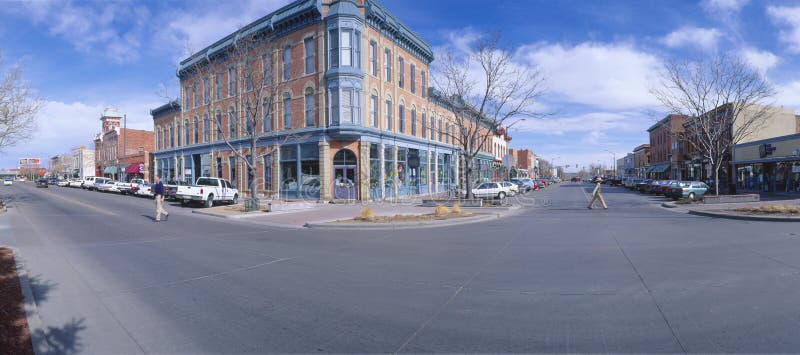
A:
x,y
728,6
588,122
607,76
789,95
704,38
789,16
760,60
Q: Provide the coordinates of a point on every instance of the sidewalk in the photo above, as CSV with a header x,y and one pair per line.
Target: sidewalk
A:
x,y
724,210
324,213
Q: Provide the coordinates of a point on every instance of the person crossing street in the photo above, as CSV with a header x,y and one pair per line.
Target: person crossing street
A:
x,y
158,193
596,194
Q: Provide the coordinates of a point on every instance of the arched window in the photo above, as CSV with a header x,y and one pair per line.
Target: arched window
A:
x,y
196,131
287,111
231,122
178,134
266,111
218,124
310,107
248,119
413,121
206,129
344,157
186,132
388,114
171,136
401,117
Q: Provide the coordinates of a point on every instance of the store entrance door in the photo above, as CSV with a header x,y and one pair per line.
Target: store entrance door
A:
x,y
344,182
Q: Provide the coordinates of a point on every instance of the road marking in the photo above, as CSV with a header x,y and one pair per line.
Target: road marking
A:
x,y
83,204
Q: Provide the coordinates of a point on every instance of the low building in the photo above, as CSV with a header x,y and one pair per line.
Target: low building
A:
x,y
667,148
122,153
768,165
82,162
61,166
641,159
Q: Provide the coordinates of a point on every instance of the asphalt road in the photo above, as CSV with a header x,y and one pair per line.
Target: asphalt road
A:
x,y
554,278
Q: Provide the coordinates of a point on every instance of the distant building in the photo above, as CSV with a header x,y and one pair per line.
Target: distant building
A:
x,y
666,148
641,159
524,162
61,166
82,162
122,153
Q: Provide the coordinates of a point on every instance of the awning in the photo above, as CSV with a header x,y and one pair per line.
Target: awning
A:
x,y
110,170
660,168
133,168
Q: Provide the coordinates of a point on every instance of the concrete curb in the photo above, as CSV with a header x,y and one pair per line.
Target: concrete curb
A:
x,y
230,216
744,217
29,302
402,225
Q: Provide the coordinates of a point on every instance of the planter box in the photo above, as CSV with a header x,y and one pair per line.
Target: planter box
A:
x,y
450,202
710,199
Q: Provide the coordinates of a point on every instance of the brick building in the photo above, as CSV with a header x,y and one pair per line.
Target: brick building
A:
x,y
122,153
354,117
641,159
524,160
667,149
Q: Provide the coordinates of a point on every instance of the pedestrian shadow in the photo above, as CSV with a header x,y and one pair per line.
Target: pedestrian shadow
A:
x,y
59,340
149,217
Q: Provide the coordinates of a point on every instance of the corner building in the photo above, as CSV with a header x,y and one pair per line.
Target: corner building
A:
x,y
355,119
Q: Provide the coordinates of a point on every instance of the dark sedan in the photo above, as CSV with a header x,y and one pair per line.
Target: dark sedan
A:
x,y
41,182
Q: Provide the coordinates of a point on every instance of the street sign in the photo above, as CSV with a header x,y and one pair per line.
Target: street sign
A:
x,y
508,161
141,168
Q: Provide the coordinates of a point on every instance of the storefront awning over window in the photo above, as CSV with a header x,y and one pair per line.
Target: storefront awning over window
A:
x,y
133,168
659,168
110,170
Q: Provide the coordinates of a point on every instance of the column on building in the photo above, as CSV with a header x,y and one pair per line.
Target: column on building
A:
x,y
275,174
396,178
382,152
364,169
325,165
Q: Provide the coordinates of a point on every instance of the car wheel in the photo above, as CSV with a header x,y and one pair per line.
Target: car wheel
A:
x,y
183,203
501,196
209,201
692,196
235,199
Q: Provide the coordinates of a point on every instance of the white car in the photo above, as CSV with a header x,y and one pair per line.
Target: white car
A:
x,y
490,190
7,182
62,183
208,190
88,182
511,187
105,185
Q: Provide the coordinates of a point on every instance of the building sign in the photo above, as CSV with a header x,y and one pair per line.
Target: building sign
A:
x,y
765,149
29,161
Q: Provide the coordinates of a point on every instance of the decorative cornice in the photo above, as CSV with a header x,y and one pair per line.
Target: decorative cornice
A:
x,y
390,26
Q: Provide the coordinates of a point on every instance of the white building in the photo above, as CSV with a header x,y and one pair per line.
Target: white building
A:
x,y
82,162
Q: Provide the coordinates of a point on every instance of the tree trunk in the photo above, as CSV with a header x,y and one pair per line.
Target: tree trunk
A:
x,y
468,178
716,180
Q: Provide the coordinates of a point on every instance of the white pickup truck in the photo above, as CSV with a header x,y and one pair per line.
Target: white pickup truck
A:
x,y
208,190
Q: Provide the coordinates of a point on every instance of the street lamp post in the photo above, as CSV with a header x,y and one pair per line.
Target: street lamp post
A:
x,y
613,161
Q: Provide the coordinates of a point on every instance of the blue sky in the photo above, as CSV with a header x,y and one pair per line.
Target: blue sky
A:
x,y
599,57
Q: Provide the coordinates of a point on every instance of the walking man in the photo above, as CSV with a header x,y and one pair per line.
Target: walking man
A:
x,y
596,194
158,193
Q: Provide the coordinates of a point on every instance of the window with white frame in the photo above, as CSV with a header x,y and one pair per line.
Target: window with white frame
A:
x,y
401,72
206,91
373,110
308,45
373,58
287,62
401,117
218,86
347,48
387,63
267,114
287,111
231,81
310,107
232,122
347,105
389,114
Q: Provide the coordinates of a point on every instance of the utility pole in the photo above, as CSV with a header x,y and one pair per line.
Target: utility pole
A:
x,y
124,143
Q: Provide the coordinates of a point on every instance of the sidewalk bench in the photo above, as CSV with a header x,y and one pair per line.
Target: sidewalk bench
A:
x,y
731,198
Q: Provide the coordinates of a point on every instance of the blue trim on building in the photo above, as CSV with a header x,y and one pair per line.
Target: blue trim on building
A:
x,y
768,140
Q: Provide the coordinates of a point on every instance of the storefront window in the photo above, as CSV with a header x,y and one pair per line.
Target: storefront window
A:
x,y
423,171
389,171
374,171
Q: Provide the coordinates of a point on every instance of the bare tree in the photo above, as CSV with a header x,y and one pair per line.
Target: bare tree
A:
x,y
726,101
18,108
258,89
486,90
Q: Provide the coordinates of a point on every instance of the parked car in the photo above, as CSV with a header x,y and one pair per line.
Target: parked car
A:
x,y
75,182
695,190
208,190
123,188
105,185
672,191
88,182
171,189
138,184
41,182
7,182
62,182
512,187
525,184
643,185
576,179
489,190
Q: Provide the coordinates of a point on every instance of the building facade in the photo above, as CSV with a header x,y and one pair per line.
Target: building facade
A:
x,y
666,148
769,165
122,153
641,160
82,162
61,166
353,118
